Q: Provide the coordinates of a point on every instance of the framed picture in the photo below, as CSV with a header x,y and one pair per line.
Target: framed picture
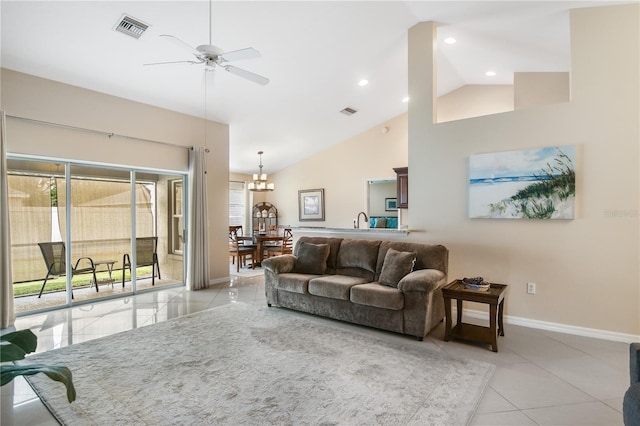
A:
x,y
311,204
528,184
390,204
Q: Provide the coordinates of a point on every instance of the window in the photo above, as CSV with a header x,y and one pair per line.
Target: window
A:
x,y
237,204
176,233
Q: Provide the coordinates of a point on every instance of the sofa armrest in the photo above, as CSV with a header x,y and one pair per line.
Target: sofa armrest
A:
x,y
280,264
421,280
634,362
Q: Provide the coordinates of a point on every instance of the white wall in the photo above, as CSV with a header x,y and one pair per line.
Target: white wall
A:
x,y
45,100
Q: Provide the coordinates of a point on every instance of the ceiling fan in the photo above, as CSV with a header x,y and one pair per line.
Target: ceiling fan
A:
x,y
214,57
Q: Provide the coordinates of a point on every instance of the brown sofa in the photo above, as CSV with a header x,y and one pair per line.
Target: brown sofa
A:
x,y
391,285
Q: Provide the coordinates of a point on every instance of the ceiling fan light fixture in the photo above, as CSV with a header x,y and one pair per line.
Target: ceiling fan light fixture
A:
x,y
260,183
209,49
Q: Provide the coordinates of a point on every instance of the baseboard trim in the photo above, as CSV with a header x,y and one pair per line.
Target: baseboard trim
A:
x,y
219,280
560,328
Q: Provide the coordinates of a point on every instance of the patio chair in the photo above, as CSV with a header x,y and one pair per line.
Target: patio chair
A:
x,y
54,254
146,255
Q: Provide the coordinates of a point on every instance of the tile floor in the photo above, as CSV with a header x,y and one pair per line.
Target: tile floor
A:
x,y
541,377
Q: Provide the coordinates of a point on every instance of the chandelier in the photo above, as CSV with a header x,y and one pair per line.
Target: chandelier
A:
x,y
260,183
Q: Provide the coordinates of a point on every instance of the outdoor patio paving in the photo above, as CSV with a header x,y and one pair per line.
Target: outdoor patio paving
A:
x,y
59,298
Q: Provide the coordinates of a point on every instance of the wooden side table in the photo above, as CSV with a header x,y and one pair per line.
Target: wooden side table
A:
x,y
494,297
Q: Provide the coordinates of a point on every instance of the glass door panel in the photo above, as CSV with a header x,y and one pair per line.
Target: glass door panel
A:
x,y
159,230
100,230
33,215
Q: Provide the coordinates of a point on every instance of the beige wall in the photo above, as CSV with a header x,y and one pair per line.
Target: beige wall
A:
x,y
529,89
45,100
540,88
343,171
474,100
587,269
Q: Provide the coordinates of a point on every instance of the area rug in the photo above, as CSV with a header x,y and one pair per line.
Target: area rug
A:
x,y
246,271
242,364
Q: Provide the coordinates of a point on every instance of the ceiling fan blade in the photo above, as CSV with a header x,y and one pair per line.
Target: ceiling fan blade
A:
x,y
246,53
246,74
174,62
183,44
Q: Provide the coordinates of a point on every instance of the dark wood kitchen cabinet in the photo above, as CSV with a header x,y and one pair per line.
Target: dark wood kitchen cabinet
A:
x,y
403,186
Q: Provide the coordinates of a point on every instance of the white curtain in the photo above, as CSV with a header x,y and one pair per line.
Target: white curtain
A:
x,y
198,232
6,285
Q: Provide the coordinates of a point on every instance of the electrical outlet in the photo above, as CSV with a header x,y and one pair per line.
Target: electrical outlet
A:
x,y
531,288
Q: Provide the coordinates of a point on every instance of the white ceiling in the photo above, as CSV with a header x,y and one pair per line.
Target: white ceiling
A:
x,y
314,53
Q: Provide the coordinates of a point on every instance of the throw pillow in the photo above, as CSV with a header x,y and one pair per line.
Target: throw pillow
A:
x,y
381,223
396,265
312,258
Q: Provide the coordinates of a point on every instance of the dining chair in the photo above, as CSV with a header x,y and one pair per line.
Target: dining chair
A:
x,y
237,249
286,247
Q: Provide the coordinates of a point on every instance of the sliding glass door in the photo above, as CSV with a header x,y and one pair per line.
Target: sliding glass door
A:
x,y
73,227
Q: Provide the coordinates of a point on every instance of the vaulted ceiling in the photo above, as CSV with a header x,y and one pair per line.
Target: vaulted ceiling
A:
x,y
314,53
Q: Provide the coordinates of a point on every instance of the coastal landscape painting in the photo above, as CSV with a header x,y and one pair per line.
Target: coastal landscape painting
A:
x,y
529,184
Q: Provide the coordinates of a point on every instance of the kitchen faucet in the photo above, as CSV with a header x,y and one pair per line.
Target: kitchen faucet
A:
x,y
356,222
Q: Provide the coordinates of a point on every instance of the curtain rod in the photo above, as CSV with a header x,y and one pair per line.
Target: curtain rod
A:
x,y
99,132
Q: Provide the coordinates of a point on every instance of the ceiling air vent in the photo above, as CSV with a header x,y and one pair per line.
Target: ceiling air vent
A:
x,y
349,111
131,26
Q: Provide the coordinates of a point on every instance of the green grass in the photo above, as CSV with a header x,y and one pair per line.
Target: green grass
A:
x,y
559,179
31,288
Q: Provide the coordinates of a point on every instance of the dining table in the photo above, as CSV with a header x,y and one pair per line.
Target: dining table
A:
x,y
260,239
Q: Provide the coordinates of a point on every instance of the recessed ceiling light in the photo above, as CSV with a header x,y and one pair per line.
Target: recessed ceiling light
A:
x,y
450,40
363,82
490,73
405,99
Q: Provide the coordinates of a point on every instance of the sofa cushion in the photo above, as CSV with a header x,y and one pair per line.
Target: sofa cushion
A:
x,y
334,286
334,247
295,283
397,264
312,258
427,256
378,295
361,254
